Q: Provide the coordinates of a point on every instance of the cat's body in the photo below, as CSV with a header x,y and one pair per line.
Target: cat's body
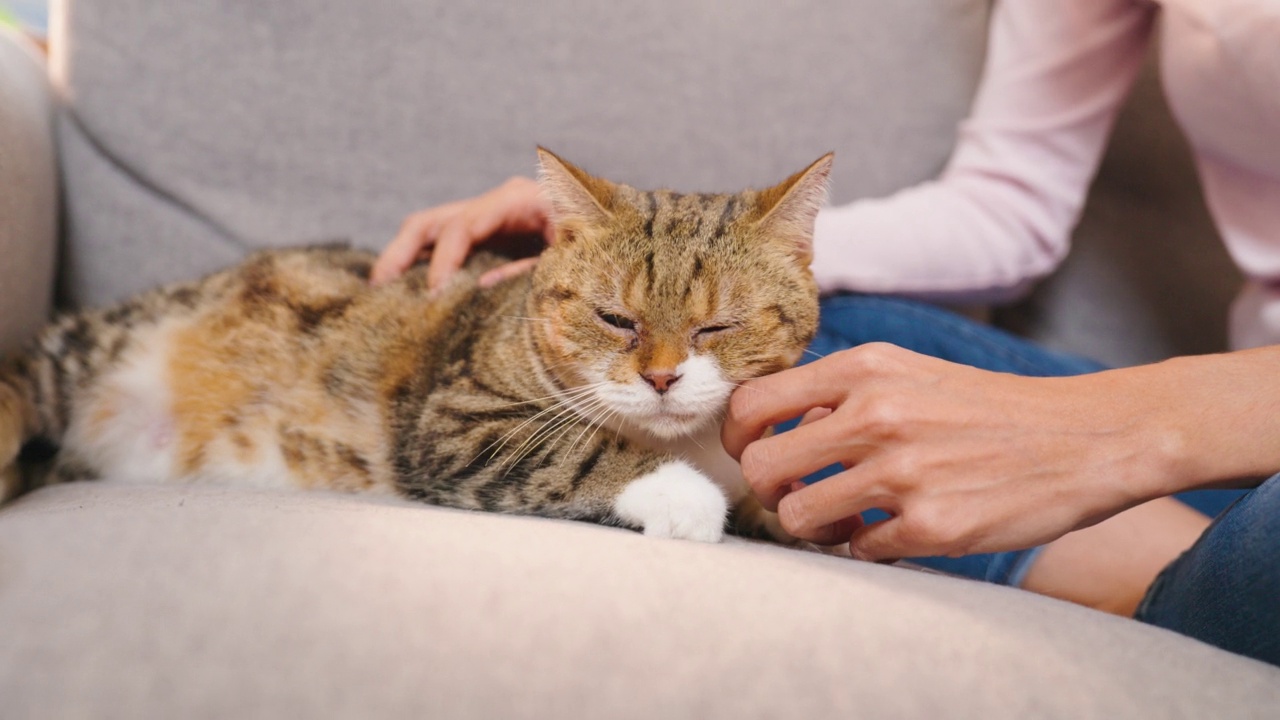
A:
x,y
528,397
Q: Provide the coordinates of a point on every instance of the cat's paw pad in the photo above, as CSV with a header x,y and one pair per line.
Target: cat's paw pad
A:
x,y
675,501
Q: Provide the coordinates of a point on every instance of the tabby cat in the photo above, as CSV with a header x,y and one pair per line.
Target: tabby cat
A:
x,y
591,388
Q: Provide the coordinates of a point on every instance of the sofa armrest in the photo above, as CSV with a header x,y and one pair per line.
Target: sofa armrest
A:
x,y
28,191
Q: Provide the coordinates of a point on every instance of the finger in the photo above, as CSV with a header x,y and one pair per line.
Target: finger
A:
x,y
506,272
882,542
829,501
458,237
771,464
771,399
417,233
449,253
814,415
836,533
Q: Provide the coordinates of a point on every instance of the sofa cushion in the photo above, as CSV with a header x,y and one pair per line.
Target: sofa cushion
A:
x,y
197,130
192,602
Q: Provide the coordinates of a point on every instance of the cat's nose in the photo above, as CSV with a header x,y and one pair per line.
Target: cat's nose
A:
x,y
660,380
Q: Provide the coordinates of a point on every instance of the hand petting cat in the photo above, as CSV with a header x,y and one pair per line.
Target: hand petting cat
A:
x,y
971,461
448,233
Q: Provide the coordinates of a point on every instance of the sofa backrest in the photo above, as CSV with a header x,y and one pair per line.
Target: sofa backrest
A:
x,y
196,131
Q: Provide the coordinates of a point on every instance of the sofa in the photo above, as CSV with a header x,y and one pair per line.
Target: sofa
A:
x,y
159,141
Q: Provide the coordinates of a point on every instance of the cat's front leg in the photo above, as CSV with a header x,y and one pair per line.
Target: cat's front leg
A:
x,y
674,500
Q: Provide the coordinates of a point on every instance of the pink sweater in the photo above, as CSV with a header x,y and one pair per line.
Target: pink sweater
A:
x,y
1001,214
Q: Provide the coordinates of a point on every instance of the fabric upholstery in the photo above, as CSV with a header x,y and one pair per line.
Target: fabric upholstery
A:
x,y
199,125
194,602
28,192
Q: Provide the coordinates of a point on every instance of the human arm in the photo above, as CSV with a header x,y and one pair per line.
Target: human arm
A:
x,y
1001,213
969,461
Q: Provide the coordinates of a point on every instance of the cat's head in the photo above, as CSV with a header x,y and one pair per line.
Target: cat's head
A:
x,y
654,306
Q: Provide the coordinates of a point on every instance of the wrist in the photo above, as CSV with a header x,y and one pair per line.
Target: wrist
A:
x,y
1144,445
1209,421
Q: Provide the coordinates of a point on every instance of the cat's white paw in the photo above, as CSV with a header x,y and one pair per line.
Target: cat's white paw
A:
x,y
675,501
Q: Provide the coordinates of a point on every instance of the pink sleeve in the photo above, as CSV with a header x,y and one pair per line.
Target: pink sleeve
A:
x,y
1001,214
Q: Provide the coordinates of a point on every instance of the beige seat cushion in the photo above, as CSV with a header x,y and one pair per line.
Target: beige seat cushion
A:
x,y
188,602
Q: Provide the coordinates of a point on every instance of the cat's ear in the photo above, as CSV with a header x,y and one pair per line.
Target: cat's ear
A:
x,y
572,192
787,210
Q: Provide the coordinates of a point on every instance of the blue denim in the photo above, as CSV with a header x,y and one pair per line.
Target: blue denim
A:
x,y
1225,590
850,320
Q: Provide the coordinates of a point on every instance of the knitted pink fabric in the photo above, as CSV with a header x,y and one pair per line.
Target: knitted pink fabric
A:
x,y
1000,216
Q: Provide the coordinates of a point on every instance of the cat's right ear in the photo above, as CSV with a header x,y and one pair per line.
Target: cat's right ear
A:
x,y
573,193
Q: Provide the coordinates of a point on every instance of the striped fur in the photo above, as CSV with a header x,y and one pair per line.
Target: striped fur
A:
x,y
529,397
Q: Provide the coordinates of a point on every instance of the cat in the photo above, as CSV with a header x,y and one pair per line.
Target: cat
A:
x,y
591,388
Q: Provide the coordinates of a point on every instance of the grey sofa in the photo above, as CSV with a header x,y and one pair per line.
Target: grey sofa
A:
x,y
190,133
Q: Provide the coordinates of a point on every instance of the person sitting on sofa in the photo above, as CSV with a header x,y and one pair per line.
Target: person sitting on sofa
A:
x,y
1059,485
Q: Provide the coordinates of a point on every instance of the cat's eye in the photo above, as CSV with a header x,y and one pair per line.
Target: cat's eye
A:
x,y
713,329
617,321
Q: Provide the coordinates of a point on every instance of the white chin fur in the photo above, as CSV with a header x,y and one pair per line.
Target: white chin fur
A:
x,y
693,402
669,428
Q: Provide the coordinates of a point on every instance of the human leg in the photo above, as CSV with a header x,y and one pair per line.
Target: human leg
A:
x,y
1225,590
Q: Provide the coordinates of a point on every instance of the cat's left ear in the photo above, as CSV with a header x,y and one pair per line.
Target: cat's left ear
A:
x,y
787,210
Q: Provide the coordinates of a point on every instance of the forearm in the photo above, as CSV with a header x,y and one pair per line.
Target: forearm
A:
x,y
1217,417
938,242
1000,215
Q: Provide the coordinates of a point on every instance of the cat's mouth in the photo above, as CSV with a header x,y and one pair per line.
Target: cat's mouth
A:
x,y
670,423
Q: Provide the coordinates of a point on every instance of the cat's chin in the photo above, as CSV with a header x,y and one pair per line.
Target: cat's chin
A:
x,y
670,426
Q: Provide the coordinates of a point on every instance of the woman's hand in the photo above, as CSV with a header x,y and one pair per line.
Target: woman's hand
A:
x,y
964,460
448,232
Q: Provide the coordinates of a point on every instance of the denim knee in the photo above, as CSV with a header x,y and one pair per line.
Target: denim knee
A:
x,y
1225,590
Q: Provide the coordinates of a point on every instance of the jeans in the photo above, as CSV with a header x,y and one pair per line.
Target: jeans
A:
x,y
1235,565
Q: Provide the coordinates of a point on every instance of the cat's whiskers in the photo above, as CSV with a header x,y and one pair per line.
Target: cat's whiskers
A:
x,y
594,424
564,400
603,421
558,395
563,422
817,355
531,443
694,440
743,386
566,428
560,411
566,411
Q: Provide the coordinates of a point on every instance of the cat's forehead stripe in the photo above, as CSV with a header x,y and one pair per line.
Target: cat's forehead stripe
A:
x,y
667,212
651,203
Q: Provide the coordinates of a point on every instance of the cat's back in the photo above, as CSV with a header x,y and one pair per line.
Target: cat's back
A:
x,y
265,374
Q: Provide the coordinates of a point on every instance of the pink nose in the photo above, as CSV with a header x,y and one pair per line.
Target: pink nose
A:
x,y
660,381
